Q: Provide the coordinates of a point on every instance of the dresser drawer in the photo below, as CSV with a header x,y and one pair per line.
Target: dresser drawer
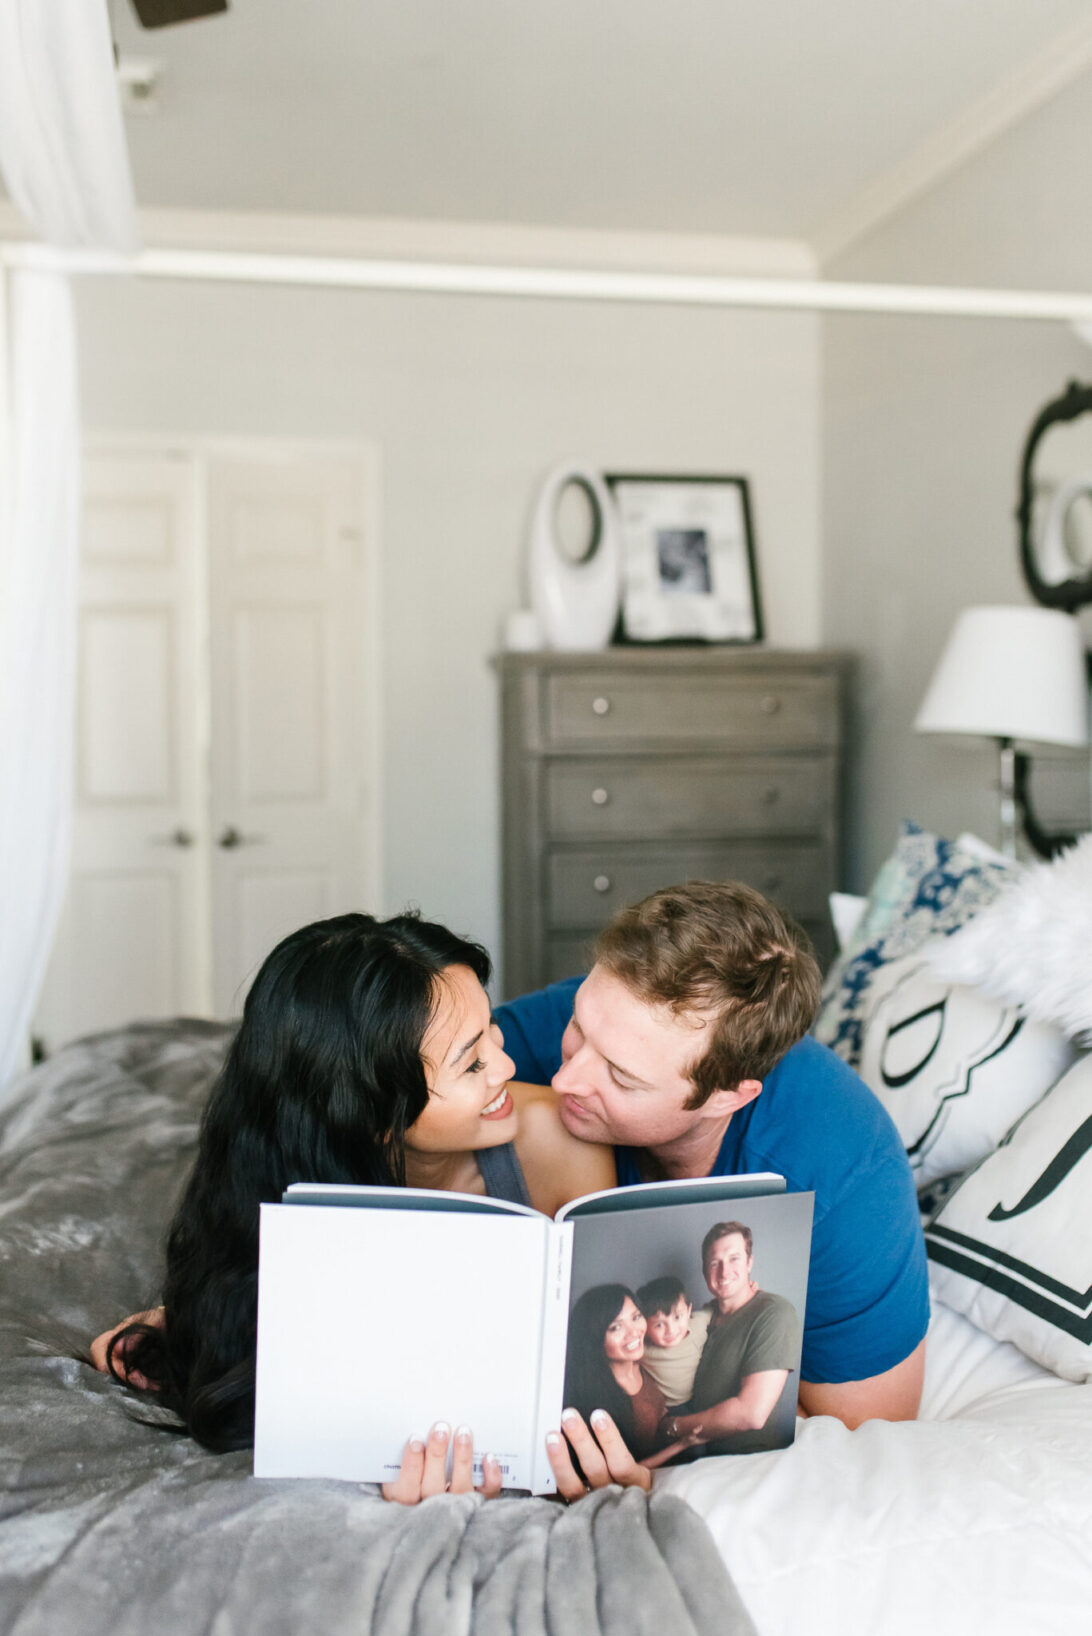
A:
x,y
677,797
585,886
748,712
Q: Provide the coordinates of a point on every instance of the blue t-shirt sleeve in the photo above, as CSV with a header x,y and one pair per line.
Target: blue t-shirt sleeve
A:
x,y
532,1027
868,1289
868,1286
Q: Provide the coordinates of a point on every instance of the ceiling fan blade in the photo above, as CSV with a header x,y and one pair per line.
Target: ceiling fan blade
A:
x,y
159,13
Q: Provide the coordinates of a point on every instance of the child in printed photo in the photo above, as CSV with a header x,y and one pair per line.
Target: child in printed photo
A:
x,y
674,1337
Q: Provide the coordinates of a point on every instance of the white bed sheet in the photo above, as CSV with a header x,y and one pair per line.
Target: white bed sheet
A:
x,y
977,1517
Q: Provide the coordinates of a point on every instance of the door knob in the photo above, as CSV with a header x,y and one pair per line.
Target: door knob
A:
x,y
177,837
232,837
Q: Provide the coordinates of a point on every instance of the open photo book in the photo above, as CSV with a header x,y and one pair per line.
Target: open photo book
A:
x,y
381,1310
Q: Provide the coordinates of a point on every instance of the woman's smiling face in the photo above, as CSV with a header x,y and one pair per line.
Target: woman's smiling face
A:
x,y
624,1341
467,1070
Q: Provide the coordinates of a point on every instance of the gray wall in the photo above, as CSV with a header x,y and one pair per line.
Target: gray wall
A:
x,y
924,422
469,402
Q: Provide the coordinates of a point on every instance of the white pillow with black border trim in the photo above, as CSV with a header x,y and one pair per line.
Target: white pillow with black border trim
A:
x,y
1012,1247
952,1067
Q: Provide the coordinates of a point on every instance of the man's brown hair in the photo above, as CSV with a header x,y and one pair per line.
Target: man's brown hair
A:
x,y
724,1229
719,949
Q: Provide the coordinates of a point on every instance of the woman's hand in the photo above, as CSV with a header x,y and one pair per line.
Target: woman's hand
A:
x,y
100,1346
424,1468
601,1451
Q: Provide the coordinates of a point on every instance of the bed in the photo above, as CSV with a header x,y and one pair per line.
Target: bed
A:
x,y
978,1516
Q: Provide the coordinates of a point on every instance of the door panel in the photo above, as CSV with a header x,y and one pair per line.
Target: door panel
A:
x,y
279,686
128,703
287,617
133,935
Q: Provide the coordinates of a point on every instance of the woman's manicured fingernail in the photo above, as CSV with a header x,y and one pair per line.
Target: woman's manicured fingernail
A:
x,y
417,1444
441,1429
599,1417
553,1439
569,1414
462,1434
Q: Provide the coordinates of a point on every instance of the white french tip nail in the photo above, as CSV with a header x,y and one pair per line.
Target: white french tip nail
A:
x,y
442,1429
569,1414
462,1433
553,1439
599,1417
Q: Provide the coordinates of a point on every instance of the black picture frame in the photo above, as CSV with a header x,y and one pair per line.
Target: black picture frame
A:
x,y
688,558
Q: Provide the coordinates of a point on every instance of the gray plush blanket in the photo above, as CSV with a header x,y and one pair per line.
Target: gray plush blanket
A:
x,y
113,1526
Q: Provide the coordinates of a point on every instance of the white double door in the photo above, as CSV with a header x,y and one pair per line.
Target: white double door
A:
x,y
225,788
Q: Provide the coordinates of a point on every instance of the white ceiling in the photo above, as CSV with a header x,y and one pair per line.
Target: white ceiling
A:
x,y
729,117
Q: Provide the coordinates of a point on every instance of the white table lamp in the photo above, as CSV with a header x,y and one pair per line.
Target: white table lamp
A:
x,y
1010,674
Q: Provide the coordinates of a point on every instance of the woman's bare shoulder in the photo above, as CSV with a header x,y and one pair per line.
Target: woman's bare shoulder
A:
x,y
557,1166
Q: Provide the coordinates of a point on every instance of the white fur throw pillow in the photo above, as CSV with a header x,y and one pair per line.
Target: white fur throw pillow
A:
x,y
1032,946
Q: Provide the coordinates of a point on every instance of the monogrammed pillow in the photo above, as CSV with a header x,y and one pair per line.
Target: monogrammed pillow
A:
x,y
1012,1248
952,1067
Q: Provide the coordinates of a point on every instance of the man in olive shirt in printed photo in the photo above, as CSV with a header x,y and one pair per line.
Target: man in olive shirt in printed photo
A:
x,y
752,1348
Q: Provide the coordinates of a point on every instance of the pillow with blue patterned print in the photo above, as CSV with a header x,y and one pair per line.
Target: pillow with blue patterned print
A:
x,y
927,888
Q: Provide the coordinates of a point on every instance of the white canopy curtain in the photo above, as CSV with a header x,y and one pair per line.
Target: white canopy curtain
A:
x,y
63,158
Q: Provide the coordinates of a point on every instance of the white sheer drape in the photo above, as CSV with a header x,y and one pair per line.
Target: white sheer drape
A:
x,y
37,643
62,140
63,158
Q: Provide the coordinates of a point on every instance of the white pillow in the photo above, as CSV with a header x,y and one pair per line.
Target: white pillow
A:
x,y
1032,946
846,914
952,1067
1012,1248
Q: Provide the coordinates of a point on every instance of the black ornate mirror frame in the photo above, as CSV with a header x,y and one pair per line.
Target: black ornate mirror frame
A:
x,y
1071,593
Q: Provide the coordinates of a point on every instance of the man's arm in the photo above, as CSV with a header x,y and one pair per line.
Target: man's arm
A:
x,y
749,1410
894,1395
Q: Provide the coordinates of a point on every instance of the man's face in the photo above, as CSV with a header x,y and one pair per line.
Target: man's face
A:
x,y
728,1271
625,1067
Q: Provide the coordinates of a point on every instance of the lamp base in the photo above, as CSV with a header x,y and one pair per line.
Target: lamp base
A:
x,y
1007,786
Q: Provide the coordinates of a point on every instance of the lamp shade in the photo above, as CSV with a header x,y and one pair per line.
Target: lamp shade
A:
x,y
1010,673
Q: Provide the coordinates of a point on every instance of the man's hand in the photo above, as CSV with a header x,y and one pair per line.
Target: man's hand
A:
x,y
424,1468
601,1452
749,1410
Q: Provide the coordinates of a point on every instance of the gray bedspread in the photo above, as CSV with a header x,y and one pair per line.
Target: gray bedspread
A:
x,y
112,1526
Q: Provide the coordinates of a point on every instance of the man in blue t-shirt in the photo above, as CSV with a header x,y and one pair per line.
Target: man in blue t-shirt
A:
x,y
685,1047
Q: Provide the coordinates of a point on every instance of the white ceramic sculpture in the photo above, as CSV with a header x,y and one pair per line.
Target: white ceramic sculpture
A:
x,y
576,600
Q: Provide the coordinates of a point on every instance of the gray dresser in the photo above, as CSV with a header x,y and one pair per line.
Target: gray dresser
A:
x,y
633,768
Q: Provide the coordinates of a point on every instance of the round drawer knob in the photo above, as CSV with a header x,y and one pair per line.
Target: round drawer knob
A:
x,y
771,795
600,705
771,704
600,797
601,883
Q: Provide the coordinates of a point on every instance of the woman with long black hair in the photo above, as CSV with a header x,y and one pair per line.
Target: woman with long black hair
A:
x,y
366,1054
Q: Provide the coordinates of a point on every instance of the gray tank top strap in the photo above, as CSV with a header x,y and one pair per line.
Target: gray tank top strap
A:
x,y
502,1174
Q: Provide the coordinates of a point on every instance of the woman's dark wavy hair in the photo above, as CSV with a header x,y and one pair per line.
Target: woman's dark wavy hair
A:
x,y
321,1084
589,1383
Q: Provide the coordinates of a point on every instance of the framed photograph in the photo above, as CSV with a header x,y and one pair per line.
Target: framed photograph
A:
x,y
688,559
